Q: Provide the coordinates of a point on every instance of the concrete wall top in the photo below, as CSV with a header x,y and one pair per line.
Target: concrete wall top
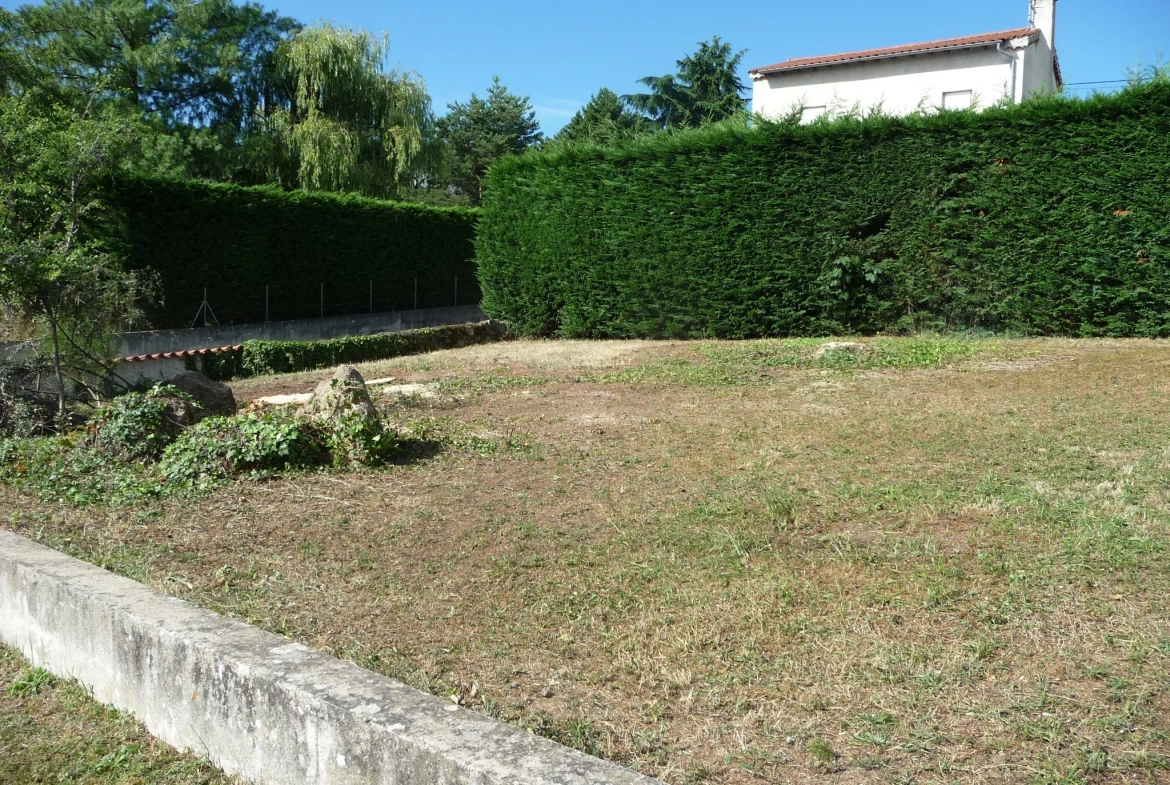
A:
x,y
157,341
257,704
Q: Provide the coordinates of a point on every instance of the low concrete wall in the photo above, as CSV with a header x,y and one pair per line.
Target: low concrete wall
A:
x,y
257,705
156,341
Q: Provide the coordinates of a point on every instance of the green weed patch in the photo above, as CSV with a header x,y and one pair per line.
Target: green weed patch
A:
x,y
723,364
75,470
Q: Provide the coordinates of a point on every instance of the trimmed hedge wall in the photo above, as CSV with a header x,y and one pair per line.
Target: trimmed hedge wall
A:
x,y
257,358
1048,218
235,240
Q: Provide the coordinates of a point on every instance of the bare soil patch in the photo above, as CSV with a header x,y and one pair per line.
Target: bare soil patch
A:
x,y
715,563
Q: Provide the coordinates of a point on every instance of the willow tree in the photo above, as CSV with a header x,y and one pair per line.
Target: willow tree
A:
x,y
349,124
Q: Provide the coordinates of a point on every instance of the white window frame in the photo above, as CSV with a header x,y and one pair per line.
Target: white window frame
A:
x,y
810,114
953,100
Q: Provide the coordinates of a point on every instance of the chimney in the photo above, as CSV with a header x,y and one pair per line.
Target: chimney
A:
x,y
1043,17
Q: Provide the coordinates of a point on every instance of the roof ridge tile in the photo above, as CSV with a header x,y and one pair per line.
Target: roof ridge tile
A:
x,y
893,51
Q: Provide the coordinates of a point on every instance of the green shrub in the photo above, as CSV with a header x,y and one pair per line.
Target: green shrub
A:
x,y
258,358
221,448
22,416
31,682
69,469
234,241
1050,217
143,424
24,410
72,469
354,440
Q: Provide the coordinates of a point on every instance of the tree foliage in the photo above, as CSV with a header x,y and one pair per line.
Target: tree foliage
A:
x,y
53,274
481,131
349,124
198,73
605,120
705,89
228,91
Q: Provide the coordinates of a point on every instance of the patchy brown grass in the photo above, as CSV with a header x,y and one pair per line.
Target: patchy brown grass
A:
x,y
51,731
728,563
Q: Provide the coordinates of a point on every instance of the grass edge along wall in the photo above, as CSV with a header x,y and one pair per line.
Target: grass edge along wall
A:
x,y
261,358
1052,217
308,249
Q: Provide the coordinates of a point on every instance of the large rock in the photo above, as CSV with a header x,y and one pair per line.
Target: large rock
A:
x,y
215,398
838,347
340,396
180,413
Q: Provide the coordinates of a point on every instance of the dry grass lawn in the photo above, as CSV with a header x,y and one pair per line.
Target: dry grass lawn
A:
x,y
729,562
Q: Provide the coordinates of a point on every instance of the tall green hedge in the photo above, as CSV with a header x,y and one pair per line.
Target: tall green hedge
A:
x,y
1052,217
235,241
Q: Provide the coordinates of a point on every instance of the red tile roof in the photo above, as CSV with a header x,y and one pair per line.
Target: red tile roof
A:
x,y
895,51
180,354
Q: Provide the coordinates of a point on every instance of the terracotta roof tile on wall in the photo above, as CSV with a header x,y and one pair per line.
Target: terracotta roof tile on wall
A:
x,y
139,358
894,51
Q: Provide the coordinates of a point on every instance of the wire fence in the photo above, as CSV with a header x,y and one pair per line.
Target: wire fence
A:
x,y
277,303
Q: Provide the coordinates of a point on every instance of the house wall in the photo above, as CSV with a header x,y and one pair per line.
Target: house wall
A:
x,y
900,85
1039,73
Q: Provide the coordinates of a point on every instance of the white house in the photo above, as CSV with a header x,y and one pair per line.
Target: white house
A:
x,y
956,73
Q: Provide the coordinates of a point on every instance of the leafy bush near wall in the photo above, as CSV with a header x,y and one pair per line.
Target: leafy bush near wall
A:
x,y
256,358
234,241
1052,217
221,448
77,469
142,424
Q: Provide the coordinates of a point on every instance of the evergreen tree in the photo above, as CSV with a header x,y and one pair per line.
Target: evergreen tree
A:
x,y
605,120
483,130
705,89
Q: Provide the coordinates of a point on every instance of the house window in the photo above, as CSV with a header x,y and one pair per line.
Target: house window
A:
x,y
811,113
961,99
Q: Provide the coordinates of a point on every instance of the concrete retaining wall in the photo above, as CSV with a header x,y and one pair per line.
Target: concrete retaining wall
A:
x,y
157,341
257,705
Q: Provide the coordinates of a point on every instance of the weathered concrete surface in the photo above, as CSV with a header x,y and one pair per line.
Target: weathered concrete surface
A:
x,y
254,703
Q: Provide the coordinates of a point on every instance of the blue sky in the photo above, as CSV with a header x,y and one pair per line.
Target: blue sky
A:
x,y
560,53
